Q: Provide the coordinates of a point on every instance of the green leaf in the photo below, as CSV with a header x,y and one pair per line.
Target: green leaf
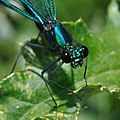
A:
x,y
24,95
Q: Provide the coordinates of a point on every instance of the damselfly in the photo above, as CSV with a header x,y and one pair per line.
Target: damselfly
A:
x,y
43,13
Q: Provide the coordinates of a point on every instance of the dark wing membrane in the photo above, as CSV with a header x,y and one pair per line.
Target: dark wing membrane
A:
x,y
45,8
53,8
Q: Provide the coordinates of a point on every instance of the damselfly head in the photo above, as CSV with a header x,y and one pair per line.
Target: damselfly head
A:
x,y
74,55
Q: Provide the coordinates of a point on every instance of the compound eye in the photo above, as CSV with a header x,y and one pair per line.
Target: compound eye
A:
x,y
85,51
66,57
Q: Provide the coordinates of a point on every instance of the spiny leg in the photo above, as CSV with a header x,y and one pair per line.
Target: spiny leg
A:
x,y
70,91
29,45
21,51
50,65
45,81
85,71
55,70
52,74
18,57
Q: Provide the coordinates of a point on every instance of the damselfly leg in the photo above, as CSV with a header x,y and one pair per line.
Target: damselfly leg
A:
x,y
29,44
50,65
85,70
22,50
18,57
46,84
53,73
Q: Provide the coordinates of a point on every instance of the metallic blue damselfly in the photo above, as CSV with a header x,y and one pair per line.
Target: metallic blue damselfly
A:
x,y
43,13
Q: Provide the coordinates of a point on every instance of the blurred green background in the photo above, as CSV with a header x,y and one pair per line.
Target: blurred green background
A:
x,y
15,29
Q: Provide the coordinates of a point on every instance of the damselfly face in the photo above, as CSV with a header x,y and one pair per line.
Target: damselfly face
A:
x,y
75,55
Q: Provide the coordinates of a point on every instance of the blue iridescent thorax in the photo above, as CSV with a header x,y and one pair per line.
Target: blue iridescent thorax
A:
x,y
56,34
62,35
